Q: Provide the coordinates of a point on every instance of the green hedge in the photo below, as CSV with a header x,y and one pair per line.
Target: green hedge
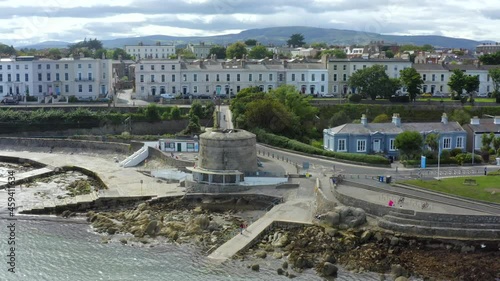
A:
x,y
494,173
283,142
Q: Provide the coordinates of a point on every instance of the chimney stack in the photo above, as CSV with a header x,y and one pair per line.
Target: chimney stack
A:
x,y
364,121
496,120
396,120
475,121
444,118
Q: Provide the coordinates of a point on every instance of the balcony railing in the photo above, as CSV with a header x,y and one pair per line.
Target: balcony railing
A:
x,y
84,79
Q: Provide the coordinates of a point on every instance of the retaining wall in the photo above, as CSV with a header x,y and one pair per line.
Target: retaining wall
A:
x,y
64,143
323,205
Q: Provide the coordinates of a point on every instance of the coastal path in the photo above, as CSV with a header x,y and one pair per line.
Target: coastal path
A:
x,y
294,211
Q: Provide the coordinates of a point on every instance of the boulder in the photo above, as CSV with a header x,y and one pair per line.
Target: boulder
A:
x,y
202,221
151,229
255,267
344,217
394,241
329,269
285,265
280,271
281,241
365,237
277,255
261,254
66,214
397,271
329,258
401,278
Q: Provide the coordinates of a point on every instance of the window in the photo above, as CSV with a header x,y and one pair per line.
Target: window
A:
x,y
162,67
313,77
322,88
48,66
441,88
48,76
9,77
323,77
195,89
18,77
173,77
385,67
90,66
341,145
207,77
446,143
238,88
302,77
344,77
163,78
66,88
39,88
250,77
57,76
26,77
460,142
280,77
152,67
488,78
90,76
80,88
217,78
80,65
184,77
361,146
66,76
17,67
354,67
39,66
270,77
293,77
335,67
142,78
334,88
334,77
65,66
195,77
173,66
442,77
344,67
424,77
1,89
173,89
238,77
90,88
152,78
260,77
396,68
364,66
392,145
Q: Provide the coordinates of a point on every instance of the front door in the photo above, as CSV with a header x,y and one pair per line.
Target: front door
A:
x,y
376,146
179,147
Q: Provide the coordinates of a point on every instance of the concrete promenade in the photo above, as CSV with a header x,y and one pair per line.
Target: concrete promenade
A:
x,y
27,175
295,211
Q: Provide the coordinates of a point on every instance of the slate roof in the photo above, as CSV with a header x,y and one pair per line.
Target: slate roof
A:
x,y
392,129
485,125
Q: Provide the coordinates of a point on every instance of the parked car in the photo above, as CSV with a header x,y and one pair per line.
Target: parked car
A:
x,y
327,95
7,101
482,95
167,96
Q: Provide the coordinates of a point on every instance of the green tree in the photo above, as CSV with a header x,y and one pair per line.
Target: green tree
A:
x,y
339,118
6,50
409,144
296,40
490,59
382,118
185,53
240,102
457,83
392,85
495,77
152,113
271,115
412,81
98,54
461,116
197,109
175,113
218,51
259,52
471,83
371,81
432,141
54,53
319,45
389,54
251,42
236,50
119,52
337,53
193,126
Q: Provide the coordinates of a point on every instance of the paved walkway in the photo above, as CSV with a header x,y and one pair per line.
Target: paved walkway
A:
x,y
121,182
27,175
298,211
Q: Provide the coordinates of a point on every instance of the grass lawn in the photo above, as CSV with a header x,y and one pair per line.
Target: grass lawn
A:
x,y
486,185
457,101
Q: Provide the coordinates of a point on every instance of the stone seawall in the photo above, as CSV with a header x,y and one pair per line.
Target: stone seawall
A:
x,y
323,205
64,143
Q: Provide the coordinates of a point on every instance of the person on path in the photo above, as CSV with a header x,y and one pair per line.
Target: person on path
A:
x,y
241,228
485,170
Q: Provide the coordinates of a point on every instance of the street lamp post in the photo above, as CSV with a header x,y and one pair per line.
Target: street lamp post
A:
x,y
141,186
439,155
473,146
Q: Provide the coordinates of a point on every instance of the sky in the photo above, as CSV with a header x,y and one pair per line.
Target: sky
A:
x,y
25,22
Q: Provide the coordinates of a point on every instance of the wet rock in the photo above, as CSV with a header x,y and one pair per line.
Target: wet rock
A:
x,y
394,241
381,277
198,210
467,249
401,278
285,265
329,258
255,267
397,271
378,236
280,271
66,214
329,269
123,241
281,241
151,229
261,254
277,255
291,275
344,217
332,232
366,236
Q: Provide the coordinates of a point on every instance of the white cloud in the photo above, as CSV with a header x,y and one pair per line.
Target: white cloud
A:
x,y
34,20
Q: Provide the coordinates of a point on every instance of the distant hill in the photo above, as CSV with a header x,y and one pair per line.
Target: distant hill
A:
x,y
279,36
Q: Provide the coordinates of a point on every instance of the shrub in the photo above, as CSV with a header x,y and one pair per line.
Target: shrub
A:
x,y
454,152
72,99
382,118
467,158
493,173
445,154
427,95
399,99
355,98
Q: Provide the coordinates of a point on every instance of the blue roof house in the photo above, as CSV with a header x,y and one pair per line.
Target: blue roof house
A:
x,y
373,138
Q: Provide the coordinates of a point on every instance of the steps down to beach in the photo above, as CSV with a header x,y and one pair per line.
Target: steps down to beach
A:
x,y
136,158
295,211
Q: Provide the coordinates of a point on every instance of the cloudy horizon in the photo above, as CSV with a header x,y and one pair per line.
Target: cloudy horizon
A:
x,y
30,21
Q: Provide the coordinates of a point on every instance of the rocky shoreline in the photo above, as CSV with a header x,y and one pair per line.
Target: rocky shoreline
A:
x,y
393,256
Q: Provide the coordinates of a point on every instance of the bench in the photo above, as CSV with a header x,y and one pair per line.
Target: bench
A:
x,y
470,182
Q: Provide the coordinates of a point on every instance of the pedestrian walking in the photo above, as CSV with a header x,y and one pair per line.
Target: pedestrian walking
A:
x,y
241,228
485,170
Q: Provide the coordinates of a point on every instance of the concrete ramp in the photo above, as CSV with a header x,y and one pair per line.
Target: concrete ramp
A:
x,y
136,158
